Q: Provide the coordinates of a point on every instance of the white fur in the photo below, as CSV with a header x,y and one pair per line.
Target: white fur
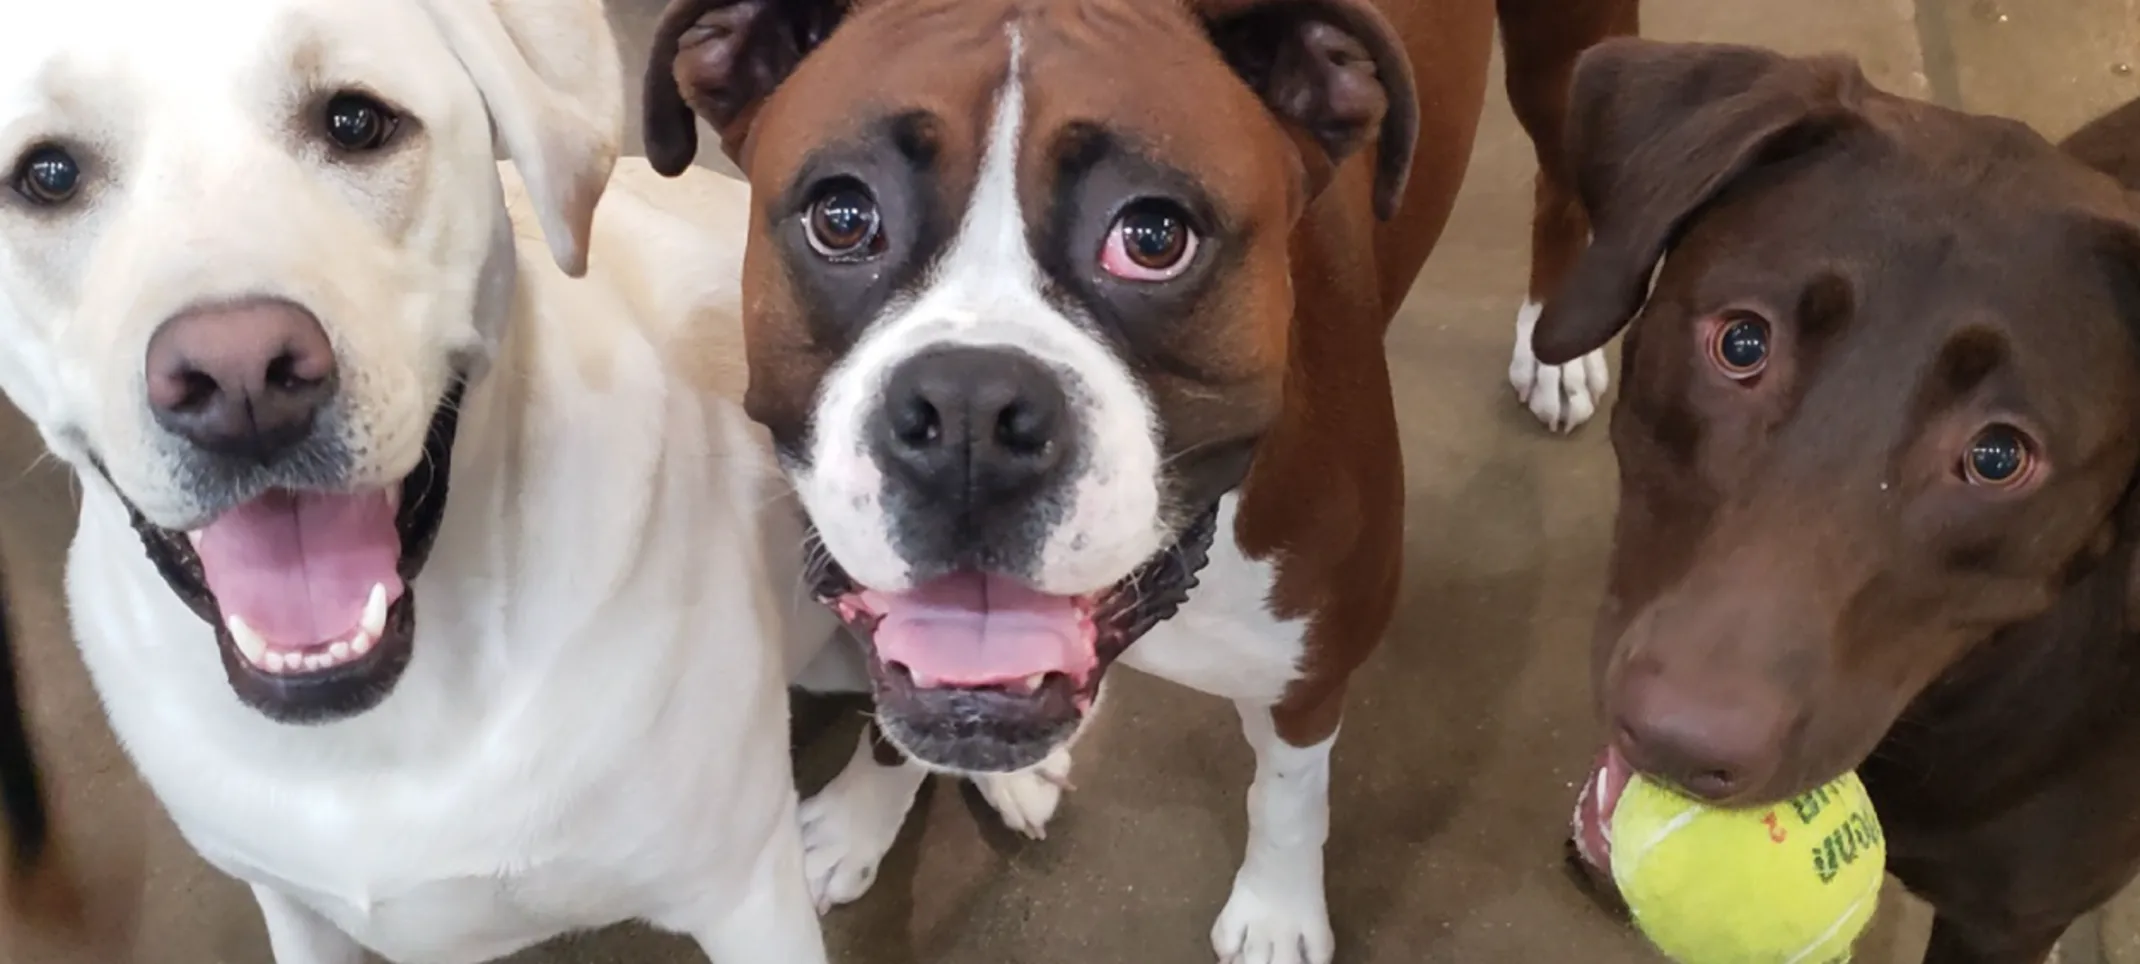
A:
x,y
1561,396
1224,641
593,727
987,292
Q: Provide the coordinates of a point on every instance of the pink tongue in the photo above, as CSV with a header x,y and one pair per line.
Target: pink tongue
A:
x,y
972,629
298,567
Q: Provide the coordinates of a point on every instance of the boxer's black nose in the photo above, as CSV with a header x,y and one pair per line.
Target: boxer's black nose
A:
x,y
969,423
244,380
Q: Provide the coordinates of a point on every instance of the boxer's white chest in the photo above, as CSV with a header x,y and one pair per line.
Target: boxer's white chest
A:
x,y
1225,641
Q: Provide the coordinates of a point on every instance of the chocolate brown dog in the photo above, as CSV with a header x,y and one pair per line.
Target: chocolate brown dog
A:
x,y
1877,434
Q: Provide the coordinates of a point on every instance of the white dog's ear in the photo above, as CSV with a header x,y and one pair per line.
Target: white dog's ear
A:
x,y
549,74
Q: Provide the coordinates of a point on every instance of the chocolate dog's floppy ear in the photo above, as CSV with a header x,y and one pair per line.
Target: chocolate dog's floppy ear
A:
x,y
1333,68
722,58
550,78
1656,131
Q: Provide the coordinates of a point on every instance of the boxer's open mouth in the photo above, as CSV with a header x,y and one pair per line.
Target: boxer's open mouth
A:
x,y
308,591
980,673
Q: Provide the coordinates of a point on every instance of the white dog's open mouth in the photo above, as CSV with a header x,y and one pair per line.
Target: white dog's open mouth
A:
x,y
308,591
981,673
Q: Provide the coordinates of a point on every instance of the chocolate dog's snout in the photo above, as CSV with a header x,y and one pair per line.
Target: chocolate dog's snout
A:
x,y
1714,737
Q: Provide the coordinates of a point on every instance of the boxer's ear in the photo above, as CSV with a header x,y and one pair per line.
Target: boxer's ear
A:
x,y
549,75
1334,68
721,59
1655,132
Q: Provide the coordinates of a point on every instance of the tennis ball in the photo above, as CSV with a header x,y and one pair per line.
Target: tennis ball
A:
x,y
1795,883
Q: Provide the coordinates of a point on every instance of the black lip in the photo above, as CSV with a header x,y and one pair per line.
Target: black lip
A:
x,y
993,730
325,696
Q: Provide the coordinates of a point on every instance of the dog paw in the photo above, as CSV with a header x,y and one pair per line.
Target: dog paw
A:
x,y
1561,396
850,825
1027,799
1254,929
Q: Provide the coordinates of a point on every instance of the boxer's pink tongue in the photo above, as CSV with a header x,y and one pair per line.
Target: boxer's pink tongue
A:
x,y
972,629
298,567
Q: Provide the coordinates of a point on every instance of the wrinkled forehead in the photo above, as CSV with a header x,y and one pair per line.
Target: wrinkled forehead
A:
x,y
1975,269
62,62
1108,75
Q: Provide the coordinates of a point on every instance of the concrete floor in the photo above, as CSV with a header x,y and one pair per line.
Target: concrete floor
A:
x,y
1465,739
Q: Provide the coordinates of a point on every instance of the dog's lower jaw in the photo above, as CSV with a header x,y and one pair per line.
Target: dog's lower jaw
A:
x,y
1007,729
356,684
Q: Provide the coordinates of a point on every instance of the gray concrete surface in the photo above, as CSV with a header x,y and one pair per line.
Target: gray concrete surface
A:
x,y
1466,736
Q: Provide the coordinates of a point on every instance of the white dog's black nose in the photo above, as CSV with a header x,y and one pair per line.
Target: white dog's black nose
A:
x,y
965,423
245,379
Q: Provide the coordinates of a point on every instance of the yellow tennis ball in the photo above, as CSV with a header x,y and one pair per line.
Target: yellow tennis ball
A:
x,y
1795,883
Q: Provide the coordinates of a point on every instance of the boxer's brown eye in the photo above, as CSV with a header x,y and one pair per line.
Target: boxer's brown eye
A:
x,y
844,224
48,176
1151,241
359,124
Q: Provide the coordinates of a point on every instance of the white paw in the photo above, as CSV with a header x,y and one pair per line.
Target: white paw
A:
x,y
849,826
1027,799
1561,396
1254,929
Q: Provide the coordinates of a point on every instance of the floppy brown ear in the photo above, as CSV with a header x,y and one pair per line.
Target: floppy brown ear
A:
x,y
720,59
1336,70
1656,131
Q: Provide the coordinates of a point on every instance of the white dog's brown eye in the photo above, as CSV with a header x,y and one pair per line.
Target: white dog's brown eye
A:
x,y
358,124
48,176
844,224
1151,241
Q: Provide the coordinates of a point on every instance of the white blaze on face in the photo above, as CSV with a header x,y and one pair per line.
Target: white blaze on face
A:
x,y
987,293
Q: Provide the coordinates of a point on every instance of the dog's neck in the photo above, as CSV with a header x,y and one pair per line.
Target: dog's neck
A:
x,y
2027,702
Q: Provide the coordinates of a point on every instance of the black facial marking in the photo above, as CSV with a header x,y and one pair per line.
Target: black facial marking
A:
x,y
895,161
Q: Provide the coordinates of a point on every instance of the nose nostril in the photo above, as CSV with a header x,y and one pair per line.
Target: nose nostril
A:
x,y
284,372
1023,429
195,390
916,424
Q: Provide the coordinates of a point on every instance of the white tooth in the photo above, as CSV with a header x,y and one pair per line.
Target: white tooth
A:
x,y
338,652
273,663
249,643
316,661
361,645
1032,683
374,622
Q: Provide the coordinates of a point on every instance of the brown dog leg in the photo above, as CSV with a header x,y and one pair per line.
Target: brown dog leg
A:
x,y
1955,943
1541,40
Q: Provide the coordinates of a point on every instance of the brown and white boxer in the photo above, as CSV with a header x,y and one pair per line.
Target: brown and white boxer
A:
x,y
1061,309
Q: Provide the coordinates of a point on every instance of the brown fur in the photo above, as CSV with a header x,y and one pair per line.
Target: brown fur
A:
x,y
1286,354
1805,577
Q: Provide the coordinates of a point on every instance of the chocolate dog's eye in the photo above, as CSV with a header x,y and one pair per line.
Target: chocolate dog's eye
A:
x,y
2000,455
48,176
359,124
1740,345
844,223
1151,241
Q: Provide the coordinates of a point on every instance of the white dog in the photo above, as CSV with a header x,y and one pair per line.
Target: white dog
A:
x,y
263,286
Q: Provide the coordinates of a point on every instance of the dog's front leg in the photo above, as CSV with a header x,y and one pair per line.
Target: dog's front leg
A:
x,y
1278,913
298,935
